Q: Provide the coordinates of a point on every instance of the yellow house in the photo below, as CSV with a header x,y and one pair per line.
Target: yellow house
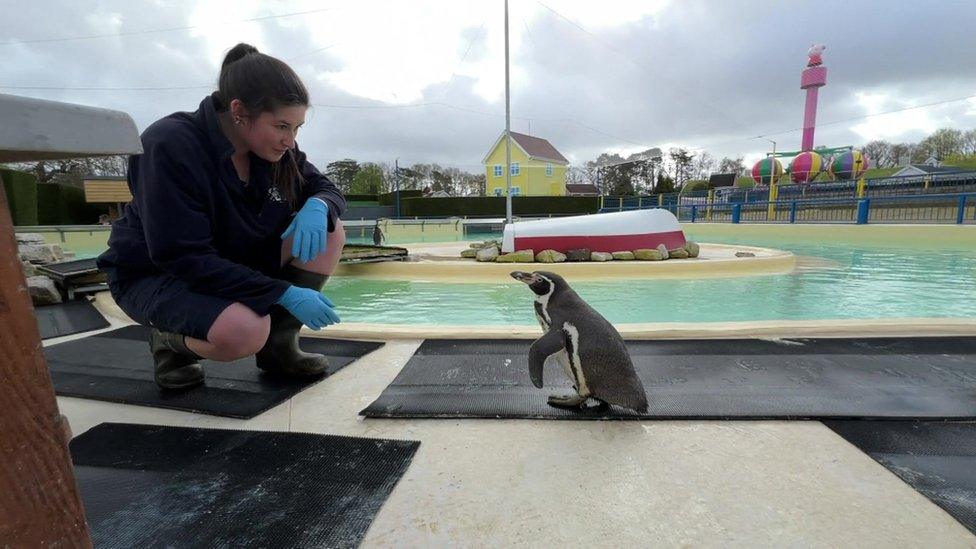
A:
x,y
538,169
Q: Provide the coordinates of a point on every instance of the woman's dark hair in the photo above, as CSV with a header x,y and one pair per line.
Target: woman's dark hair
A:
x,y
264,84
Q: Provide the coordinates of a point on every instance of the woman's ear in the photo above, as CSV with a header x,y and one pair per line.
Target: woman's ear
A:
x,y
238,111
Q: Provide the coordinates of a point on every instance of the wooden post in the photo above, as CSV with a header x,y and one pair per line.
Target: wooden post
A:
x,y
39,501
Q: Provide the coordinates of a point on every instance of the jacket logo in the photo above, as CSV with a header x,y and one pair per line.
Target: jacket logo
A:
x,y
274,195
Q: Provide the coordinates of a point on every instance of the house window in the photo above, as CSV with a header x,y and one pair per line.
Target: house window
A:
x,y
498,191
515,169
498,170
516,190
549,170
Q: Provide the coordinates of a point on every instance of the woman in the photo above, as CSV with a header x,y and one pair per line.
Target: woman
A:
x,y
231,232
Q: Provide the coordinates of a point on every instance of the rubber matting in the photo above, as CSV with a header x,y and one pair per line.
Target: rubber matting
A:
x,y
883,378
116,366
154,486
936,458
72,317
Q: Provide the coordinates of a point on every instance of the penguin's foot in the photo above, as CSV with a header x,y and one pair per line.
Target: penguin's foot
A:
x,y
568,401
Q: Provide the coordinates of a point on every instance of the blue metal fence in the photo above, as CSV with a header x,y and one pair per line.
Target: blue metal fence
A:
x,y
944,198
932,208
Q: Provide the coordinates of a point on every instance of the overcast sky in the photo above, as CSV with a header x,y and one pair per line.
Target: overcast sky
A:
x,y
423,81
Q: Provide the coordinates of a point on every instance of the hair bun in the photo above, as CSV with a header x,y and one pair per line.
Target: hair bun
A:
x,y
237,52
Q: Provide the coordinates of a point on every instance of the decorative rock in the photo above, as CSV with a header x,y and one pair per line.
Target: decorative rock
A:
x,y
469,253
478,245
664,251
601,256
521,256
550,256
582,254
37,254
43,291
487,254
57,251
30,238
744,254
623,256
648,255
692,248
679,253
29,270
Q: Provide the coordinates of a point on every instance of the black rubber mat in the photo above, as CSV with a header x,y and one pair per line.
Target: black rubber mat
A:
x,y
116,366
885,378
154,486
937,458
72,317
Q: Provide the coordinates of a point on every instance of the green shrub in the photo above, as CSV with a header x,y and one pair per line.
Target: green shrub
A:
x,y
20,189
388,199
495,206
65,205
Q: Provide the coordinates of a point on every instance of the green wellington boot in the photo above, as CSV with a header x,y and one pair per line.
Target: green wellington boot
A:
x,y
177,367
281,353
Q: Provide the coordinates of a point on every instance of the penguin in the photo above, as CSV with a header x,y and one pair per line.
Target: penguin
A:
x,y
377,235
588,347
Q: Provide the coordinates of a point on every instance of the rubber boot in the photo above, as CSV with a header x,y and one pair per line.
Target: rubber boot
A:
x,y
281,353
176,366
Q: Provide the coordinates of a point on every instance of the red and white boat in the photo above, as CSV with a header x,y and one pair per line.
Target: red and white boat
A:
x,y
607,232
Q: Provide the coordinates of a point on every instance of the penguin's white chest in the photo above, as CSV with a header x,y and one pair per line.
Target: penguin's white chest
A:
x,y
570,359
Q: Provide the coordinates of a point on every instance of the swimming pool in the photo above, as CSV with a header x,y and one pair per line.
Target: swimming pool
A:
x,y
845,272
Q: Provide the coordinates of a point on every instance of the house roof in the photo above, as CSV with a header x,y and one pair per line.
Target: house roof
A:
x,y
538,147
933,169
582,188
535,147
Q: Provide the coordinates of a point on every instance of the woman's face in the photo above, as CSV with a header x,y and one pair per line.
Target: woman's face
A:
x,y
270,134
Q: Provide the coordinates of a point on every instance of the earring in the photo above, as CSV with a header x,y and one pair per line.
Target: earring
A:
x,y
237,120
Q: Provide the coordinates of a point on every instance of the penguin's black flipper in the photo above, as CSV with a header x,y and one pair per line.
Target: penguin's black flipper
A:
x,y
549,344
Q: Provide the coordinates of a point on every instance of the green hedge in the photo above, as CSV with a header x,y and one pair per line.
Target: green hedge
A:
x,y
21,191
493,205
65,205
361,197
387,199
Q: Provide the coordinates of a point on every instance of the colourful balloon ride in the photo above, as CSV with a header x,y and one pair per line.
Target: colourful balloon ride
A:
x,y
849,165
805,167
765,168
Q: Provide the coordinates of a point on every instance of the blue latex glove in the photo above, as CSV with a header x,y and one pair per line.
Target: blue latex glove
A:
x,y
311,307
309,228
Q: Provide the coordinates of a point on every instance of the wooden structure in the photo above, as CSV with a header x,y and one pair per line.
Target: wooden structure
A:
x,y
39,501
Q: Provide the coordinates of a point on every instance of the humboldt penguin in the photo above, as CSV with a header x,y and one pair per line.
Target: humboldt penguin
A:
x,y
587,346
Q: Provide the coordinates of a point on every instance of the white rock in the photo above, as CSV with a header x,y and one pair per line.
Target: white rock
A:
x,y
43,291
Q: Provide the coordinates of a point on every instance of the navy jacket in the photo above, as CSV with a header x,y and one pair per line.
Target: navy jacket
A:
x,y
193,218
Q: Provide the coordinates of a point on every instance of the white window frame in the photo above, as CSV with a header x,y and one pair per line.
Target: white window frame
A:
x,y
499,171
498,191
515,169
549,169
516,190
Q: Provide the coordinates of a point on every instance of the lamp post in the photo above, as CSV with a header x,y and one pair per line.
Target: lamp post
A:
x,y
508,132
773,189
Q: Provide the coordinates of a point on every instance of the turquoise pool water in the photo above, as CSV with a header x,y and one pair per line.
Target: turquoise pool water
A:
x,y
834,281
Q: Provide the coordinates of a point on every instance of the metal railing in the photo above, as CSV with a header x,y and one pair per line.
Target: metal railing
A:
x,y
962,182
930,208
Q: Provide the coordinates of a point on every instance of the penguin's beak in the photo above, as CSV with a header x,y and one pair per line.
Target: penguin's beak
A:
x,y
522,276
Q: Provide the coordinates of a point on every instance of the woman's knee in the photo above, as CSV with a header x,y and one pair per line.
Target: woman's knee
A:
x,y
238,332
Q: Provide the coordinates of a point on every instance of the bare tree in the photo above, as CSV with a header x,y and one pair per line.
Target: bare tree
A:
x,y
969,142
881,153
732,165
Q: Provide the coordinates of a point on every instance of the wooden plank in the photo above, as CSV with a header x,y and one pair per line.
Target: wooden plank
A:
x,y
39,501
106,191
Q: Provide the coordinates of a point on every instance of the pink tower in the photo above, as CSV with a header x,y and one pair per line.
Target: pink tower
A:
x,y
813,77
